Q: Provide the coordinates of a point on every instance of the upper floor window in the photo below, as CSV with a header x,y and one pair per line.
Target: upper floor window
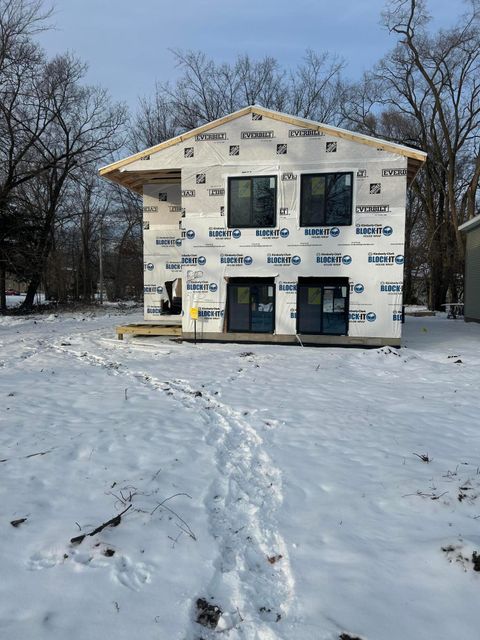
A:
x,y
252,201
326,199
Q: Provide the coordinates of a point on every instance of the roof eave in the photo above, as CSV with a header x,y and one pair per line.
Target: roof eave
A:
x,y
470,224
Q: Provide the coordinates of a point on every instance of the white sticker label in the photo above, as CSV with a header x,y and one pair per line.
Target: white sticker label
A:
x,y
348,180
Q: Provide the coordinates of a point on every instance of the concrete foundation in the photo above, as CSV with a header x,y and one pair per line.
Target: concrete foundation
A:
x,y
337,341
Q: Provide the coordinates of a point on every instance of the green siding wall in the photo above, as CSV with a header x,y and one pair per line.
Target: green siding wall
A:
x,y
472,275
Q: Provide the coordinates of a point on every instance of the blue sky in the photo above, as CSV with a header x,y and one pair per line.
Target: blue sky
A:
x,y
126,43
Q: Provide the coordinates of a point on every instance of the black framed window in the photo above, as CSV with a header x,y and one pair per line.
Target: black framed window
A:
x,y
326,199
322,306
252,201
251,305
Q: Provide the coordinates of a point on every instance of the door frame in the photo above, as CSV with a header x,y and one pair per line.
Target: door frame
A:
x,y
322,282
249,281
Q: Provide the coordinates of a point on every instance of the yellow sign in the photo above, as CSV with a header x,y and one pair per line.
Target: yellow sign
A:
x,y
194,313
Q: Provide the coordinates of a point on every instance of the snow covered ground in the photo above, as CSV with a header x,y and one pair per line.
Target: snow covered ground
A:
x,y
283,485
16,301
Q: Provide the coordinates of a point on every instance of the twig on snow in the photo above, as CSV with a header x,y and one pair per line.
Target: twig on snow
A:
x,y
424,457
156,474
162,504
30,455
432,496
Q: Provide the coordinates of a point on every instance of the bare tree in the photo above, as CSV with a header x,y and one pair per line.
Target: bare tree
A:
x,y
126,247
153,122
447,68
317,91
19,21
21,119
426,93
207,90
81,128
260,82
199,94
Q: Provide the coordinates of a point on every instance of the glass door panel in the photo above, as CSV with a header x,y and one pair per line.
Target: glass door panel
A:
x,y
334,318
251,307
322,307
262,308
239,308
310,309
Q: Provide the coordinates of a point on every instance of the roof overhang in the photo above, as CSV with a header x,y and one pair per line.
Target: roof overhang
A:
x,y
134,180
470,224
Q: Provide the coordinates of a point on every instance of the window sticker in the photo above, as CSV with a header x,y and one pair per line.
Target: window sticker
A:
x,y
318,186
272,183
348,179
328,300
314,295
244,189
270,292
243,295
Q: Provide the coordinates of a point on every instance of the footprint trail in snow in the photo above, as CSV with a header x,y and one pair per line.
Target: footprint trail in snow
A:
x,y
252,580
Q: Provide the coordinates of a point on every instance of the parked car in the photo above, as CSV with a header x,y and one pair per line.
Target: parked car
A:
x,y
12,292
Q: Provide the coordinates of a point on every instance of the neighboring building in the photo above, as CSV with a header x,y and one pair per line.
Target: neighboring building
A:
x,y
274,227
471,294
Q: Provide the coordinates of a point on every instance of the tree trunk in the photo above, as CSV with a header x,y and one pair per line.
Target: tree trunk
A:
x,y
32,290
43,251
3,286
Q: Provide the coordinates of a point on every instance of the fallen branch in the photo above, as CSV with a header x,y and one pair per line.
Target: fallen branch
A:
x,y
114,522
17,523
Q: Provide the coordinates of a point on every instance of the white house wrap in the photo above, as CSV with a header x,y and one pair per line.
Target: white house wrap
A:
x,y
353,265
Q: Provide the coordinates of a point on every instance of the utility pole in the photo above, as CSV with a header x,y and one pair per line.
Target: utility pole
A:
x,y
100,255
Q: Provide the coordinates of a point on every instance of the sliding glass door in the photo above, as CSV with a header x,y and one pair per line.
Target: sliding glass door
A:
x,y
322,306
251,305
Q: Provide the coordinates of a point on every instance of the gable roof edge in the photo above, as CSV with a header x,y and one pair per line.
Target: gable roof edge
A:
x,y
414,154
172,141
352,136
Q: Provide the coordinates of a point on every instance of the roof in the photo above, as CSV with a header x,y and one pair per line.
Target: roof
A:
x,y
134,180
470,224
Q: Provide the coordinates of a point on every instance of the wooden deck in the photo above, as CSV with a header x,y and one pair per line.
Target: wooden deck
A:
x,y
144,329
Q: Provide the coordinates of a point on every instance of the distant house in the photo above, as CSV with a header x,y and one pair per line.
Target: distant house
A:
x,y
471,229
274,228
